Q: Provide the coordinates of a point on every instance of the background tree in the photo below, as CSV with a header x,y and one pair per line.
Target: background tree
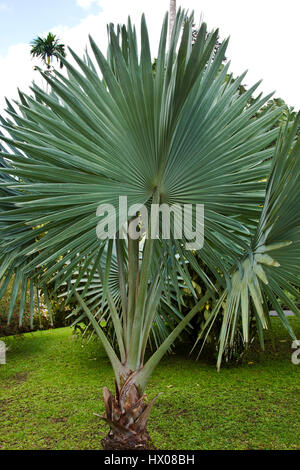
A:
x,y
47,48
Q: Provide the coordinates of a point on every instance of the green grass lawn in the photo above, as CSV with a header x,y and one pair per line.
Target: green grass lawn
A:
x,y
52,385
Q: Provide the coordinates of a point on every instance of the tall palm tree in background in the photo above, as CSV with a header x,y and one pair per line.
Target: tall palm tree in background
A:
x,y
47,48
183,135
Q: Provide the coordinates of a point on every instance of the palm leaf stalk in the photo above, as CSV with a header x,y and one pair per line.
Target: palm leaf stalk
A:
x,y
179,136
90,288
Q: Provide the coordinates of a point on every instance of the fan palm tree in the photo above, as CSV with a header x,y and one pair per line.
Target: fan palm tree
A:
x,y
180,136
47,48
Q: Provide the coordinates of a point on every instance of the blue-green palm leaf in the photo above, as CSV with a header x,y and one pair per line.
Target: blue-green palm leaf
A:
x,y
270,270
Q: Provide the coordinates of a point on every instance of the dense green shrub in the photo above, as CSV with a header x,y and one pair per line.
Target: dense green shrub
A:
x,y
40,320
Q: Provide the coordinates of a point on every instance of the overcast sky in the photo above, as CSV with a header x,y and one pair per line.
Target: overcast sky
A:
x,y
264,35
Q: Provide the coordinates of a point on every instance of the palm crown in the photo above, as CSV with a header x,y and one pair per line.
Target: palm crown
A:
x,y
47,48
183,135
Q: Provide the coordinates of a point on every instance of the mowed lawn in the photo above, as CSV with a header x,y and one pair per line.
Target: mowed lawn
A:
x,y
52,385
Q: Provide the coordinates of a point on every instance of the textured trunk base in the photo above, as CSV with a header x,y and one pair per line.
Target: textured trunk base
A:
x,y
127,415
117,442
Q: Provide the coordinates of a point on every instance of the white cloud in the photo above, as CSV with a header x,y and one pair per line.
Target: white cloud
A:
x,y
264,35
85,4
3,7
16,71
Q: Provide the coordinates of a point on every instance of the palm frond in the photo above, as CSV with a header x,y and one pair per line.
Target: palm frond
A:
x,y
181,135
270,270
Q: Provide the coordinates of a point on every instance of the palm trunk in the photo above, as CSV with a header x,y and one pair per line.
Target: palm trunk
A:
x,y
127,415
127,412
172,17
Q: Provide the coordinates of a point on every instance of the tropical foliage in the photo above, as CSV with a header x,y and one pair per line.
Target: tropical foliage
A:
x,y
181,135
